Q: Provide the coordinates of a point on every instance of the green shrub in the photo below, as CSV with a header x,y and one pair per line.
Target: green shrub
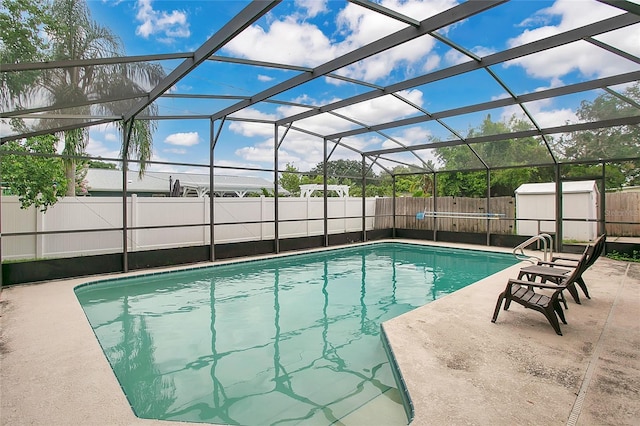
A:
x,y
626,257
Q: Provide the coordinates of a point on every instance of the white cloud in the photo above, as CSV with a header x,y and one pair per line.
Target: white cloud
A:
x,y
97,148
454,57
107,131
305,44
363,26
543,111
324,124
253,113
105,128
265,78
535,21
626,39
409,136
260,154
295,41
165,25
304,150
381,109
401,57
183,139
161,167
384,108
312,7
556,117
431,63
104,141
307,150
303,145
361,143
301,149
251,129
483,51
239,171
580,56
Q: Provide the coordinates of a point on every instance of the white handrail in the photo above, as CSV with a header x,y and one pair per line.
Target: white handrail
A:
x,y
460,215
518,251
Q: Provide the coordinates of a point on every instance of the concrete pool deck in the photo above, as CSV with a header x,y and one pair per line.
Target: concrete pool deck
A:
x,y
458,366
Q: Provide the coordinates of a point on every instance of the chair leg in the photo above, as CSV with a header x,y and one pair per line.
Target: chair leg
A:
x,y
507,303
554,323
563,300
574,293
553,320
583,286
558,309
497,310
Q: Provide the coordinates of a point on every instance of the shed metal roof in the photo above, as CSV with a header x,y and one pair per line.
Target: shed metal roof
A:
x,y
550,187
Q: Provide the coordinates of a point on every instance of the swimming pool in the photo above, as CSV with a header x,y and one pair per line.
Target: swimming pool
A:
x,y
288,340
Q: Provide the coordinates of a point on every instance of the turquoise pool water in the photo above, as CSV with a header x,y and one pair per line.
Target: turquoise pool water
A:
x,y
289,340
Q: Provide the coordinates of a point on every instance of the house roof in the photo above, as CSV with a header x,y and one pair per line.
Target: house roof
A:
x,y
108,180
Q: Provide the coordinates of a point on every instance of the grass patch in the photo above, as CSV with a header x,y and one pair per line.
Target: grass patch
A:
x,y
32,259
626,257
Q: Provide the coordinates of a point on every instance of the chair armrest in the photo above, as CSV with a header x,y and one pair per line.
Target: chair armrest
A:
x,y
535,284
552,264
567,259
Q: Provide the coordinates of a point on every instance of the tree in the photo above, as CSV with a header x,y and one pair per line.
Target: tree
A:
x,y
462,184
77,36
495,153
21,21
97,164
408,182
36,180
342,170
74,35
615,175
290,180
612,142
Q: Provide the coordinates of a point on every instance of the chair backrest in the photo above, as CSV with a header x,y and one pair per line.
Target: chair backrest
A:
x,y
579,269
598,248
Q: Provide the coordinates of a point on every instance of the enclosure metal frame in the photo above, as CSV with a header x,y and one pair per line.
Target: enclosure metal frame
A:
x,y
414,29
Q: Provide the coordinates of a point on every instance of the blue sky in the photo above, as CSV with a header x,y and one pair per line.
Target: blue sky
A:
x,y
310,32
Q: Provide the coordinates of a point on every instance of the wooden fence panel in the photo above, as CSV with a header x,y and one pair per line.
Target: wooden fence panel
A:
x,y
622,207
507,207
408,207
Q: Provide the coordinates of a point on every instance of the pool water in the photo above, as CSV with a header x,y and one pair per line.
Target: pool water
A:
x,y
289,340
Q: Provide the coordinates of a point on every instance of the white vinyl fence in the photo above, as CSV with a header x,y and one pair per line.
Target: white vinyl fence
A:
x,y
94,216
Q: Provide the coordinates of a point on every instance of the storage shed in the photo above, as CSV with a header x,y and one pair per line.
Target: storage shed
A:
x,y
536,207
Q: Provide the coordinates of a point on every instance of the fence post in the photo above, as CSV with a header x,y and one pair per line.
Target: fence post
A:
x,y
345,221
262,224
205,219
308,201
39,237
134,222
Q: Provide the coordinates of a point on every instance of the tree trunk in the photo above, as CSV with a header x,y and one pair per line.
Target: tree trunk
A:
x,y
70,174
